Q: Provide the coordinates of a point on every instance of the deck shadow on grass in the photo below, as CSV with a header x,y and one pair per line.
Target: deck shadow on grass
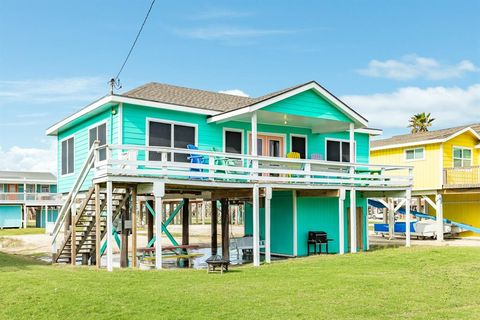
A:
x,y
14,262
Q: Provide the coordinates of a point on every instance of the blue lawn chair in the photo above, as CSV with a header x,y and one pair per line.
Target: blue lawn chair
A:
x,y
196,158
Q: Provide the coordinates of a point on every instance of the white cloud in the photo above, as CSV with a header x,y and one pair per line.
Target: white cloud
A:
x,y
230,33
52,90
450,106
413,66
219,13
235,92
30,159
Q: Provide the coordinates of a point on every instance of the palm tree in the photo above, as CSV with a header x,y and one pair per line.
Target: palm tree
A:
x,y
420,122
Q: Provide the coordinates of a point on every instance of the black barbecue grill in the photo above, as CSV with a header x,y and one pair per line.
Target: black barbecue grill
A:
x,y
317,238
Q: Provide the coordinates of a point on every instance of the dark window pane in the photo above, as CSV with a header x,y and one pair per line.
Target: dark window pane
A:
x,y
64,157
102,137
333,150
345,151
70,160
299,145
183,136
259,147
92,134
274,148
233,142
160,135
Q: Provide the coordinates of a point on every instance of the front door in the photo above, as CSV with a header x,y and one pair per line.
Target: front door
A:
x,y
268,145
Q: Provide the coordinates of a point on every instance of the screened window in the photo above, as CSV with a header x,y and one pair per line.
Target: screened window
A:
x,y
99,133
338,151
170,135
462,157
67,156
233,141
415,154
299,144
45,188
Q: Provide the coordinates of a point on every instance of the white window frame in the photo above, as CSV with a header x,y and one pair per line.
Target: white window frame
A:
x,y
96,125
462,159
224,143
341,140
172,135
72,136
299,136
414,159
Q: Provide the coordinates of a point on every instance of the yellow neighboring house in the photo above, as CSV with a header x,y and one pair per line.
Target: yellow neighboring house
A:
x,y
446,169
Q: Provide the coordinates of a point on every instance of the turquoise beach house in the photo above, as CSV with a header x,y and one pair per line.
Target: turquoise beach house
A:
x,y
298,158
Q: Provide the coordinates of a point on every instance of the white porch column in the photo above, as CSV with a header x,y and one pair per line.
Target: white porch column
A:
x,y
391,220
268,198
46,216
353,221
256,229
158,193
25,222
351,132
341,221
408,203
109,226
439,212
254,135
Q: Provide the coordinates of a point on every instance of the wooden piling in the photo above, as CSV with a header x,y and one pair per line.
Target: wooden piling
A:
x,y
185,221
125,215
225,230
149,221
134,227
214,227
98,230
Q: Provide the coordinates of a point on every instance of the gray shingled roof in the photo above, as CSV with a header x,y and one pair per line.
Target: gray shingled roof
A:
x,y
196,98
422,136
20,175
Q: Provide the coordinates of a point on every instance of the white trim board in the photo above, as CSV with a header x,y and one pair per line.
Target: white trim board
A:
x,y
351,114
53,130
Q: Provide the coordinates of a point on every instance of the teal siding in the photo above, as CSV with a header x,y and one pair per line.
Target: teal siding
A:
x,y
81,145
281,222
40,217
10,216
308,104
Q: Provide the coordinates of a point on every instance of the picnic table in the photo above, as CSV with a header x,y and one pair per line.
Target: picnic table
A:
x,y
173,249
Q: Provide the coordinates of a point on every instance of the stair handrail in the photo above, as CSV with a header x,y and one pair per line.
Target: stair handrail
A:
x,y
72,195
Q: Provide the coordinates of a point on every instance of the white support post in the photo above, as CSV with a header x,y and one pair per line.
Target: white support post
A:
x,y
256,229
109,226
408,203
158,193
46,216
204,208
391,220
351,132
25,216
25,222
439,212
268,198
353,221
341,221
254,150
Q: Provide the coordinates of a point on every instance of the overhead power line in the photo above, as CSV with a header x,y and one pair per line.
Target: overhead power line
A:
x,y
115,82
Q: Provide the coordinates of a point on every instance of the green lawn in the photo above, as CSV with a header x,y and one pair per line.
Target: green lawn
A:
x,y
21,231
421,283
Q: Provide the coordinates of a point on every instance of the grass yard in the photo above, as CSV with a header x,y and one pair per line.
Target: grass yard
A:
x,y
420,283
21,231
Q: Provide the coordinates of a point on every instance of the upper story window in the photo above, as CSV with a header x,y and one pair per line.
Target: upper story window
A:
x,y
164,134
462,157
67,156
338,150
99,133
44,188
415,154
233,141
299,144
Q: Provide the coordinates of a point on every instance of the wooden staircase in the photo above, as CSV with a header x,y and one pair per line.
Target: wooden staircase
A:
x,y
84,226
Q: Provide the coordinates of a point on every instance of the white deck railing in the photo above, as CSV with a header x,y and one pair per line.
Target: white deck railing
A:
x,y
131,160
34,197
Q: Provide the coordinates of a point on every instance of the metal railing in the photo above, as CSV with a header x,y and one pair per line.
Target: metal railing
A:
x,y
29,197
461,177
174,164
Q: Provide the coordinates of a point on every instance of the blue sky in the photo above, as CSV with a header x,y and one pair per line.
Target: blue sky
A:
x,y
387,59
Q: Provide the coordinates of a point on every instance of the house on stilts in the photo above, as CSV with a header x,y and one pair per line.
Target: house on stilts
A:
x,y
298,158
